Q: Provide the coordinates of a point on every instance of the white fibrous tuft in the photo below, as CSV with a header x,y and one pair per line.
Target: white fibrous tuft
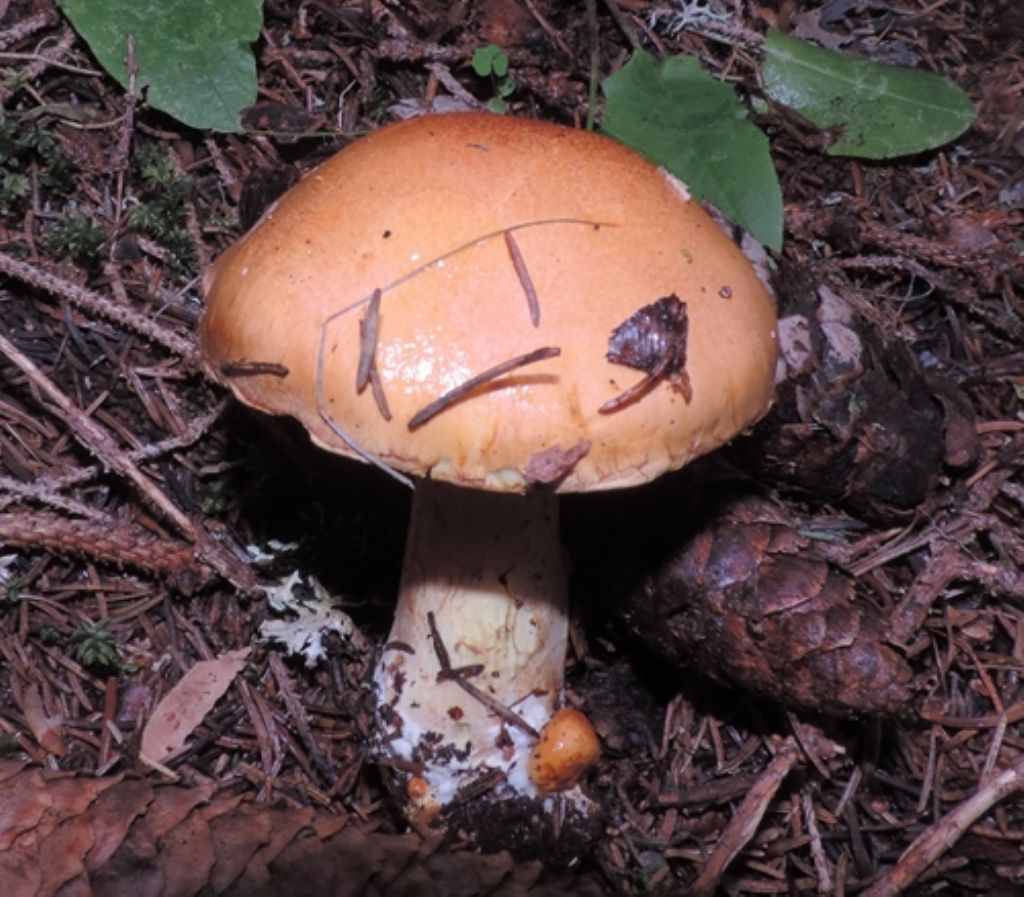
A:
x,y
687,15
677,185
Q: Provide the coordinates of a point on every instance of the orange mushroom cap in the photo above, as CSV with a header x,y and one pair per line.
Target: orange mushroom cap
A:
x,y
445,219
566,749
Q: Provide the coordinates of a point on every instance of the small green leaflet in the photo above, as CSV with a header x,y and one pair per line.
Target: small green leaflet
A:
x,y
490,60
193,56
879,111
681,118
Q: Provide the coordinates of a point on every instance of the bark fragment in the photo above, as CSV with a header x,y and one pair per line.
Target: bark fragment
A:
x,y
555,463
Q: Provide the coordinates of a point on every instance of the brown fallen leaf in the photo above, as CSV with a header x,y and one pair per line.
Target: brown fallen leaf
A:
x,y
47,730
184,706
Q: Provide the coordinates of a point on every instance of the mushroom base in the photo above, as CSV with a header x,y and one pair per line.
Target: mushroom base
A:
x,y
482,608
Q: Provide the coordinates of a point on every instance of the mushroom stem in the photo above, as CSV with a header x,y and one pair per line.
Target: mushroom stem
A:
x,y
484,574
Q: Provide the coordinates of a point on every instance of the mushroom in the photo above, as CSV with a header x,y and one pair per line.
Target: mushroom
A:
x,y
566,749
503,310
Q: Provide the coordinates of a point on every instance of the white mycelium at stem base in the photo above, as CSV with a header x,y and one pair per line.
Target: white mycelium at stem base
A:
x,y
489,568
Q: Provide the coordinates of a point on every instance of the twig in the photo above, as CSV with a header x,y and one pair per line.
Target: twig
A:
x,y
124,140
379,396
548,28
818,855
100,306
102,539
11,489
297,714
906,619
369,327
242,368
46,487
266,737
456,393
451,674
444,661
42,61
937,839
594,37
637,391
409,49
893,262
523,273
485,782
452,85
102,445
49,63
1013,714
26,28
336,428
716,791
745,821
958,531
366,370
624,24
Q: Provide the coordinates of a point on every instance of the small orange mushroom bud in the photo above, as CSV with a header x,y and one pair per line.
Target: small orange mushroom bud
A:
x,y
566,749
422,807
417,788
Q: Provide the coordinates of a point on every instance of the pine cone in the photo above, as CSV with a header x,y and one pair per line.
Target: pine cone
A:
x,y
746,601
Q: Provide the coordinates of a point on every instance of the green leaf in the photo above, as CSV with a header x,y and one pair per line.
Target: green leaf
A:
x,y
500,65
880,111
694,126
485,60
193,56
